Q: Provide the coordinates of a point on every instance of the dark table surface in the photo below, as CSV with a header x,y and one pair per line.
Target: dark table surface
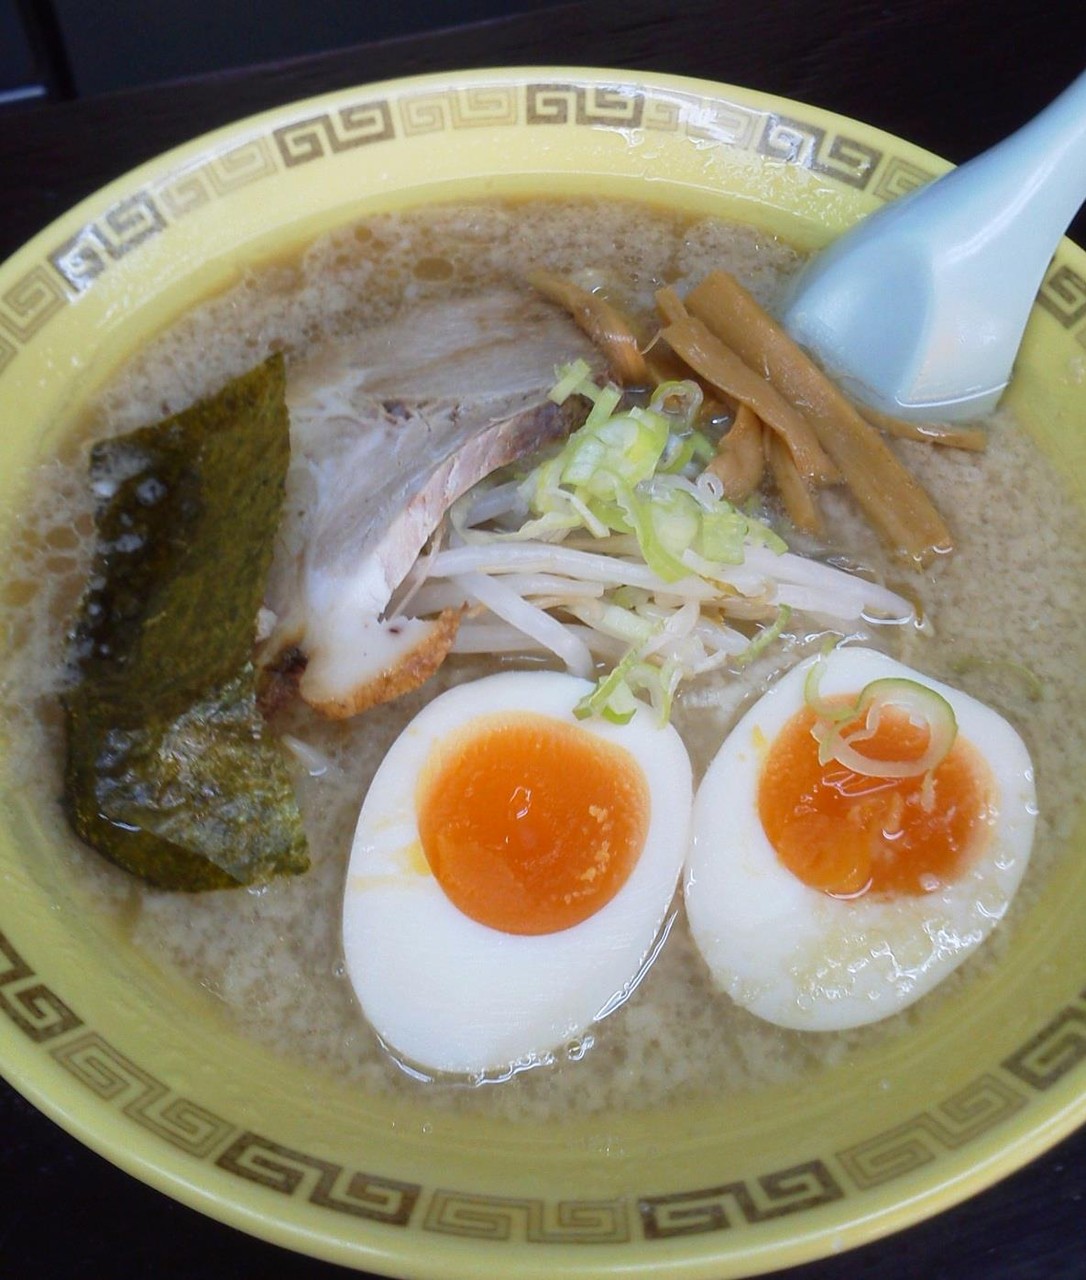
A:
x,y
951,75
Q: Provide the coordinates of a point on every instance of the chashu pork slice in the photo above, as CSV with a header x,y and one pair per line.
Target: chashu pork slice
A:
x,y
388,429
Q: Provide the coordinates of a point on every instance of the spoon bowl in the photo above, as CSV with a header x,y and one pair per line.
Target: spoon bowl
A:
x,y
920,309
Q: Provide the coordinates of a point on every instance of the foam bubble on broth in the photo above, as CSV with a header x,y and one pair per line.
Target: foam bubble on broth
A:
x,y
271,959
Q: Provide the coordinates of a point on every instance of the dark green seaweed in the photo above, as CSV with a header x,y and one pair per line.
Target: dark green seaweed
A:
x,y
171,772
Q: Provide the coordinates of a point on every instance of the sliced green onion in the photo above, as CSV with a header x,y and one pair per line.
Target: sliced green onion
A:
x,y
647,523
722,535
831,712
920,703
612,696
703,447
765,637
611,711
679,453
629,597
659,683
629,471
571,378
761,535
679,400
626,625
606,403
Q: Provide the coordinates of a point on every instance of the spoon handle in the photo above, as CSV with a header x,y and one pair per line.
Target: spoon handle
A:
x,y
1029,186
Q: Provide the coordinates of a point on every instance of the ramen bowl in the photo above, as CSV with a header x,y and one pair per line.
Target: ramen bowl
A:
x,y
146,1070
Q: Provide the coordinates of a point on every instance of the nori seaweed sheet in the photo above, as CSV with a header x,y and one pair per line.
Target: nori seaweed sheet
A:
x,y
171,772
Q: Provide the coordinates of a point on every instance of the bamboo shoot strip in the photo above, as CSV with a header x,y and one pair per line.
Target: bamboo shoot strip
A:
x,y
740,457
798,499
953,435
717,364
605,325
891,498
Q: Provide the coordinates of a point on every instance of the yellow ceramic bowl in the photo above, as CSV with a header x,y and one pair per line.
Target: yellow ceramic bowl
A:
x,y
134,1065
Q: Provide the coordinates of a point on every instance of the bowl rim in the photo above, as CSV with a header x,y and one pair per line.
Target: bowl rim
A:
x,y
412,1253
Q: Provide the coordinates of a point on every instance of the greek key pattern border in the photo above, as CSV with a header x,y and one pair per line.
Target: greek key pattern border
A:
x,y
41,1015
504,1219
773,1195
983,1104
73,266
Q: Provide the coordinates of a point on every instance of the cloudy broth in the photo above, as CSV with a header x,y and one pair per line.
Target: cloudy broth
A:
x,y
270,958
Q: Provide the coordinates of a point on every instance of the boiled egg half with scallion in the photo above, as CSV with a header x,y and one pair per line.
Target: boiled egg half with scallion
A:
x,y
861,831
511,871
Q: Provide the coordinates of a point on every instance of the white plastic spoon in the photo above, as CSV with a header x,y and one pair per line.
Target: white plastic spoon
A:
x,y
920,309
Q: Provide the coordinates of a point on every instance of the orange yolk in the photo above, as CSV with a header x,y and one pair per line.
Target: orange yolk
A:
x,y
531,825
846,833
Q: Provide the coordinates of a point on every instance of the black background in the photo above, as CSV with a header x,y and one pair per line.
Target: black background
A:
x,y
953,77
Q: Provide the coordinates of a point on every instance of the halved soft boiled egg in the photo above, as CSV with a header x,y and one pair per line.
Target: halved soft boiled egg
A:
x,y
511,870
861,831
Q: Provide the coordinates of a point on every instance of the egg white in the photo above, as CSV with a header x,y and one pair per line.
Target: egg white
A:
x,y
448,994
801,959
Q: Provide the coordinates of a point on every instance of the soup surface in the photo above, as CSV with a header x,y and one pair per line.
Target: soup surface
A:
x,y
1000,620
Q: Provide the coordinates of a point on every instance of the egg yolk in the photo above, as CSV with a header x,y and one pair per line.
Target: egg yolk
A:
x,y
531,825
848,833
